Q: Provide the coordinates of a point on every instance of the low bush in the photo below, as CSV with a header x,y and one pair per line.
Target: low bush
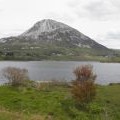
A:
x,y
84,88
15,76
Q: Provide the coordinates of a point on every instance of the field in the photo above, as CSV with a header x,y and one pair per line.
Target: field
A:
x,y
56,103
58,53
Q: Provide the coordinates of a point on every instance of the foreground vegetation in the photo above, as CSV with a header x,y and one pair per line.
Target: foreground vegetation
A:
x,y
55,103
80,99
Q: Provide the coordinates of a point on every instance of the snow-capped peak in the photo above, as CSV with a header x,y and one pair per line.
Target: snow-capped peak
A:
x,y
46,25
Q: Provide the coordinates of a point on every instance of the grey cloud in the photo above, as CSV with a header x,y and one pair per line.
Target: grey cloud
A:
x,y
97,9
1,10
112,39
73,3
110,43
113,36
116,3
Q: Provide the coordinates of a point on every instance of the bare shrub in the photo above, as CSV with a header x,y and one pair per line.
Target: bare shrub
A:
x,y
15,76
83,88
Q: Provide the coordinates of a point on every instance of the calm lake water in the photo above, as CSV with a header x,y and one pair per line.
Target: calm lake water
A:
x,y
60,70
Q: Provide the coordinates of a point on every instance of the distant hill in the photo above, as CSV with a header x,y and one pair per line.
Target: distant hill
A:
x,y
49,39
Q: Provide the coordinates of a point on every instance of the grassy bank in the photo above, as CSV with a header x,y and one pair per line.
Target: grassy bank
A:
x,y
56,103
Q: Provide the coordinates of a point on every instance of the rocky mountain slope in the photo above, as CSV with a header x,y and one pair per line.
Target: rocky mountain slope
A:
x,y
53,32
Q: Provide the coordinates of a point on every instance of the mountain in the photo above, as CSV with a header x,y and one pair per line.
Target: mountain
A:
x,y
51,31
49,38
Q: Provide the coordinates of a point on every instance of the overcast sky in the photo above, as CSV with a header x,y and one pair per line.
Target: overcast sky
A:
x,y
98,19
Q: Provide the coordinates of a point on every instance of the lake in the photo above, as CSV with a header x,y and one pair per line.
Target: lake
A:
x,y
63,70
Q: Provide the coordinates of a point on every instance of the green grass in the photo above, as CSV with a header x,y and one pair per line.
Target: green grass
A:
x,y
10,115
109,96
57,103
